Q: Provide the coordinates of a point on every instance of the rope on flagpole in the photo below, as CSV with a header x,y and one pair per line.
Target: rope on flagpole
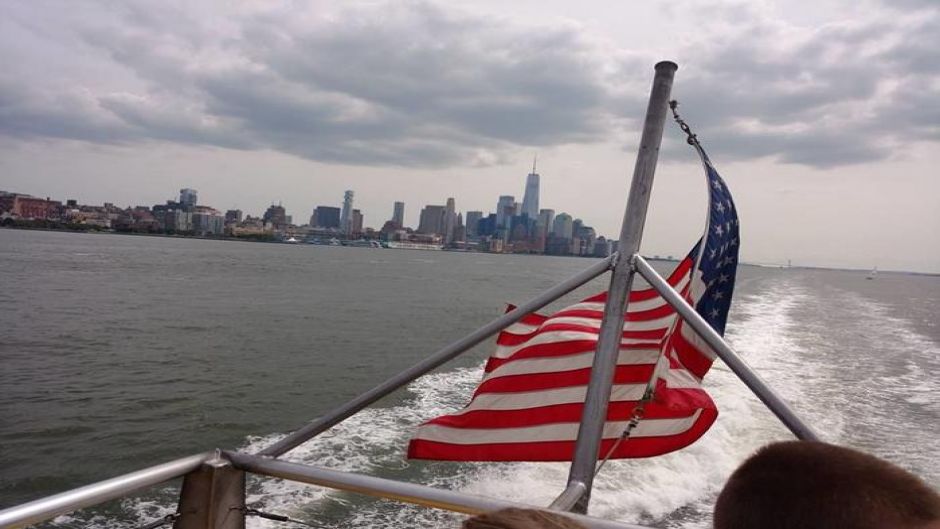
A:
x,y
634,421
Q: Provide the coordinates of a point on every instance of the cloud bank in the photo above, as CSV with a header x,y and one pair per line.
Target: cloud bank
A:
x,y
424,85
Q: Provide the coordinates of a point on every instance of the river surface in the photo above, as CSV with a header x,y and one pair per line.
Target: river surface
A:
x,y
119,352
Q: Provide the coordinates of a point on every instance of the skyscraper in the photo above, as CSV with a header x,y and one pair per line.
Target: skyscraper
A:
x,y
432,220
505,209
450,221
473,218
398,214
188,198
562,226
325,217
345,219
546,217
530,201
356,222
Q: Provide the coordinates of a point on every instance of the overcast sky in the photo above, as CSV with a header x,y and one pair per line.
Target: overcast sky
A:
x,y
823,116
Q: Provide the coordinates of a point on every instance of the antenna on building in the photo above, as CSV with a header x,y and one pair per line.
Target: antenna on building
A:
x,y
534,159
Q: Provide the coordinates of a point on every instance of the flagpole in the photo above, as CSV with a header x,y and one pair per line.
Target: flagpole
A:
x,y
597,399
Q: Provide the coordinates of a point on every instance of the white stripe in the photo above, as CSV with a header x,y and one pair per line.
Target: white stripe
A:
x,y
530,366
682,378
645,325
547,397
551,432
550,337
522,400
697,342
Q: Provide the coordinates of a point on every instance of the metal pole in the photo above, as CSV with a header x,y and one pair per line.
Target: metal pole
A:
x,y
724,351
394,490
102,491
449,352
611,332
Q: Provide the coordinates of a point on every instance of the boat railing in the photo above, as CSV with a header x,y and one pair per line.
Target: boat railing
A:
x,y
213,490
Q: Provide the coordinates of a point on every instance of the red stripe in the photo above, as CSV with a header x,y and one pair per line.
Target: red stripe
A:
x,y
688,355
573,347
559,450
648,293
630,374
669,404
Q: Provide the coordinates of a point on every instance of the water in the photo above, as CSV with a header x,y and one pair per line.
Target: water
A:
x,y
120,352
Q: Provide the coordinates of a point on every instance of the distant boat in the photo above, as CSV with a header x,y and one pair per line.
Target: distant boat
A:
x,y
873,274
292,240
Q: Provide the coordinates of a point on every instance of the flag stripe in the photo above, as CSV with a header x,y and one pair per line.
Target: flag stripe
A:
x,y
629,374
558,450
571,412
647,354
552,432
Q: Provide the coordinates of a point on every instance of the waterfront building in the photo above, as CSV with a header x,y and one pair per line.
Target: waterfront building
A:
x,y
583,240
432,220
576,227
460,231
207,221
345,219
177,220
603,247
473,220
188,198
505,210
450,221
398,214
530,201
563,226
233,216
276,216
546,217
356,228
486,227
325,217
29,207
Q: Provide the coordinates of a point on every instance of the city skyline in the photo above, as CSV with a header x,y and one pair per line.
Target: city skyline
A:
x,y
817,115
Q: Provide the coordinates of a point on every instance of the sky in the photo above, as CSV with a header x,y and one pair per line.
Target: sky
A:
x,y
822,116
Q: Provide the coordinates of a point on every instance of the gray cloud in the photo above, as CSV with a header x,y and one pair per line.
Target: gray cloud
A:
x,y
416,84
842,94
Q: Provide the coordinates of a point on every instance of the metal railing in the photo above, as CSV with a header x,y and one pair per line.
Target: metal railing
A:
x,y
213,492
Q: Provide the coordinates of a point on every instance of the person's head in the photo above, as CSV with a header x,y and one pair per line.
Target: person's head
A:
x,y
803,484
521,519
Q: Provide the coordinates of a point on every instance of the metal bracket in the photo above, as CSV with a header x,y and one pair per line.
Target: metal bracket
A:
x,y
212,497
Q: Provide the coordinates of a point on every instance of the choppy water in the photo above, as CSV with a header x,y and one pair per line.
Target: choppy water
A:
x,y
119,352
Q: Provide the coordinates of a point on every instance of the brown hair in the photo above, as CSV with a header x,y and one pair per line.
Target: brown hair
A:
x,y
514,518
803,484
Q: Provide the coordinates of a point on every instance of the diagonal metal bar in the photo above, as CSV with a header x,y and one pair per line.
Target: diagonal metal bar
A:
x,y
394,490
449,352
724,351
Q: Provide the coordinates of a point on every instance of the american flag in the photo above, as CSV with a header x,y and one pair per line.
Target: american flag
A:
x,y
528,405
